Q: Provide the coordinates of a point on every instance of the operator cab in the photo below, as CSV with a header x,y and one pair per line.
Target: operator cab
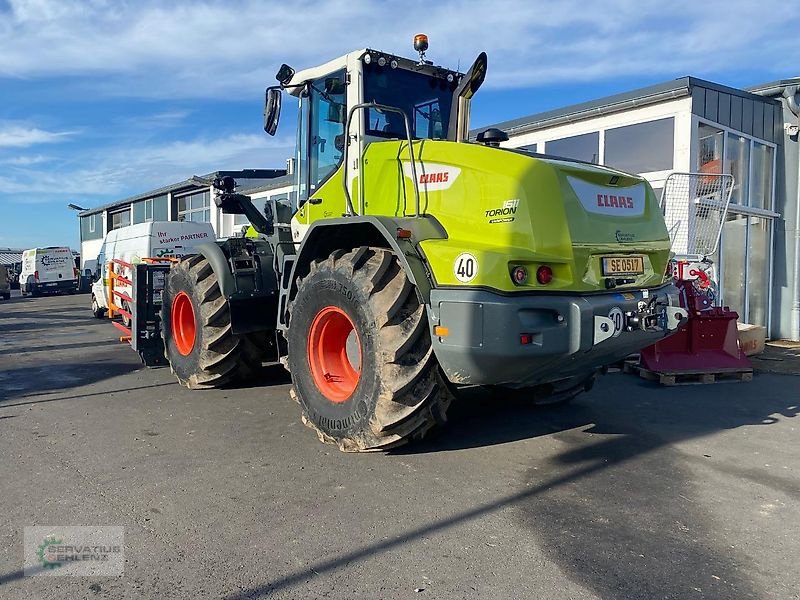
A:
x,y
434,101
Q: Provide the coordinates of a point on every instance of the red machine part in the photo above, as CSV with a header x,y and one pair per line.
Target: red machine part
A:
x,y
708,342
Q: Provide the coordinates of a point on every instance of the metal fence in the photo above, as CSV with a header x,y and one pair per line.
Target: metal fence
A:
x,y
694,207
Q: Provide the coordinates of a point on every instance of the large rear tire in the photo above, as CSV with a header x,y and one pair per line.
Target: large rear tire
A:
x,y
202,350
360,354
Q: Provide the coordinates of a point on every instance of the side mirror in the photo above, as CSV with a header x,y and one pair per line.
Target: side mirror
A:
x,y
285,74
272,110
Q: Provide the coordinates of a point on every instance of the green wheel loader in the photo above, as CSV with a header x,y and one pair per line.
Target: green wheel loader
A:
x,y
414,261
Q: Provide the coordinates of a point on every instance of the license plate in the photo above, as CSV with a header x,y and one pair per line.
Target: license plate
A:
x,y
623,265
50,284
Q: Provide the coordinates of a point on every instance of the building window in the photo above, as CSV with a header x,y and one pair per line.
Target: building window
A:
x,y
745,273
91,227
120,219
529,148
749,161
759,236
737,164
240,220
641,148
195,207
734,263
143,211
585,147
710,148
761,184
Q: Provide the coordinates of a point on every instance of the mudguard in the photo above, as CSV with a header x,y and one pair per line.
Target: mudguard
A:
x,y
325,236
219,262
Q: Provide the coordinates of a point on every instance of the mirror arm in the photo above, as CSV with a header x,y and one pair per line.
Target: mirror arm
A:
x,y
467,87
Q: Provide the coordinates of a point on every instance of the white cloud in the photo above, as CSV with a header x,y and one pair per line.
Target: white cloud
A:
x,y
111,173
216,48
20,136
24,161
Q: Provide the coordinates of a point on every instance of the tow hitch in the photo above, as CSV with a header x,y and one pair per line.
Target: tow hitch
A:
x,y
655,315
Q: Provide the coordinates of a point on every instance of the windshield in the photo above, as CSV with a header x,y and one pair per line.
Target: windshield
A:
x,y
425,99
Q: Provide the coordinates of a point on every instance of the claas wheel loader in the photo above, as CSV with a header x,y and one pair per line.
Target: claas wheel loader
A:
x,y
414,261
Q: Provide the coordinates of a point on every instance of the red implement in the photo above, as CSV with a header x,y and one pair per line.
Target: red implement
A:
x,y
709,342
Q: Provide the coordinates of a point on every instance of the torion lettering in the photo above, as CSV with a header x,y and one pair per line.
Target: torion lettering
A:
x,y
493,212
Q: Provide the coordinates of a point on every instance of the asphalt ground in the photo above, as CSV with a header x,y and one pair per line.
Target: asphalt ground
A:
x,y
633,491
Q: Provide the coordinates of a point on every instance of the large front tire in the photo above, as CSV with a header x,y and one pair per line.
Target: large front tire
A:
x,y
202,350
360,354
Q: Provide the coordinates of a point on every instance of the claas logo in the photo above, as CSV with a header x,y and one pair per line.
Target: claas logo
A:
x,y
604,200
434,177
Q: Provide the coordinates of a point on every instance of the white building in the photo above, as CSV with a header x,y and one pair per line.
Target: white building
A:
x,y
189,200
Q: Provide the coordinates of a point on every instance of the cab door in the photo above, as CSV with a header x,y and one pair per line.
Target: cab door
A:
x,y
320,146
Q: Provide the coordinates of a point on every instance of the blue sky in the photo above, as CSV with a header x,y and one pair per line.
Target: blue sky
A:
x,y
102,99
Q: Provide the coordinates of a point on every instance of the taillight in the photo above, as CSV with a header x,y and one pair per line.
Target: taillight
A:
x,y
519,275
544,275
36,275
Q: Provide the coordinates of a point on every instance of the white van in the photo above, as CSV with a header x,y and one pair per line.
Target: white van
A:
x,y
155,239
48,270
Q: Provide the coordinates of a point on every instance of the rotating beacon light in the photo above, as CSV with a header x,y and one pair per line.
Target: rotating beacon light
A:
x,y
421,46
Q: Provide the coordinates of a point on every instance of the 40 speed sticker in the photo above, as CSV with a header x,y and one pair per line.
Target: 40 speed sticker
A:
x,y
465,267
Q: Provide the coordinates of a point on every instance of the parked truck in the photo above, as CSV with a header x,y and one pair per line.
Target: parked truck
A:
x,y
415,261
47,271
5,282
154,239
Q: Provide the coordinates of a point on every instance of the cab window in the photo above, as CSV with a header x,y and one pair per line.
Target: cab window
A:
x,y
425,99
326,139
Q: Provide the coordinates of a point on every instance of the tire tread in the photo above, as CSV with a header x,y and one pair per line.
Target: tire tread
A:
x,y
414,395
225,358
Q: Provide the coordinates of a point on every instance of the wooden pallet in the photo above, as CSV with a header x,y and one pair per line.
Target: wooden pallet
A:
x,y
688,378
620,365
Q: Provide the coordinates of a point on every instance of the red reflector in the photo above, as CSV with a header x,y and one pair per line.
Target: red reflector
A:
x,y
525,338
544,274
403,234
36,275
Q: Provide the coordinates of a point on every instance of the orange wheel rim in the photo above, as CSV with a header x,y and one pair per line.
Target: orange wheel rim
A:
x,y
184,326
334,354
